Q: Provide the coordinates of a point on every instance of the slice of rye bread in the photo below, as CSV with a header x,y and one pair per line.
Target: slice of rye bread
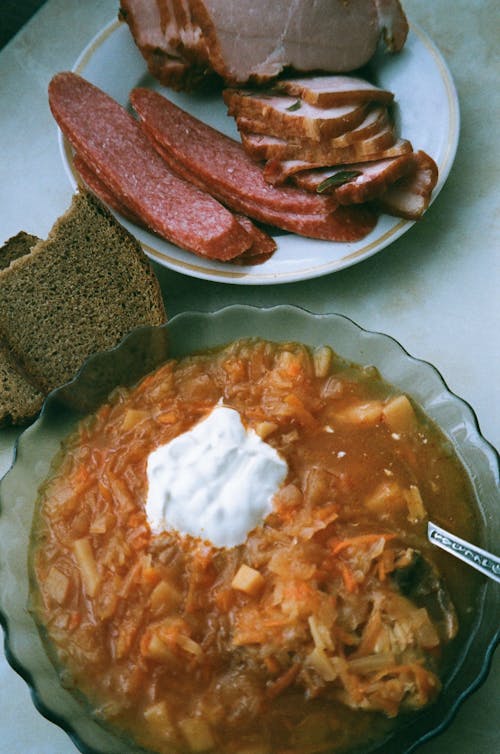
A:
x,y
20,401
79,292
16,247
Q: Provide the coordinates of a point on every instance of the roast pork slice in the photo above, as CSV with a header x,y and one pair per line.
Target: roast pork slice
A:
x,y
255,40
377,118
393,24
263,147
144,20
176,16
154,27
410,196
180,11
284,116
328,91
277,172
169,25
357,183
401,186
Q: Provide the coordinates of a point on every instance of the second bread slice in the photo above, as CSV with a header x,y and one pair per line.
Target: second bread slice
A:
x,y
19,399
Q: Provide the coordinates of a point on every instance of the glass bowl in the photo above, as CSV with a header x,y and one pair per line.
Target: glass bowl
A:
x,y
186,333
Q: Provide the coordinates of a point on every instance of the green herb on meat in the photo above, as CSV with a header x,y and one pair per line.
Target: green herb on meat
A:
x,y
337,179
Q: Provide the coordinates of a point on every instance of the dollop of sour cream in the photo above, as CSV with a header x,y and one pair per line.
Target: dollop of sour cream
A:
x,y
215,481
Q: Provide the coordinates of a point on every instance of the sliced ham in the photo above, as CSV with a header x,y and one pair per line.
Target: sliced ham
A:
x,y
158,47
401,186
284,116
256,40
277,172
290,135
410,196
192,43
363,182
112,142
331,91
376,119
144,20
168,21
174,50
324,152
392,23
169,24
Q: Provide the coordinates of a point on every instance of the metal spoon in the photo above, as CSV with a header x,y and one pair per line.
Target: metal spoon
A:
x,y
479,559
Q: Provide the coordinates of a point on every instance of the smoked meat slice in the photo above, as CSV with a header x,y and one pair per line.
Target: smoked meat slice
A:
x,y
344,224
263,245
221,162
112,143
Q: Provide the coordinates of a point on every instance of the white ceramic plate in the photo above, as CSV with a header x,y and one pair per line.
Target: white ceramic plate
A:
x,y
427,114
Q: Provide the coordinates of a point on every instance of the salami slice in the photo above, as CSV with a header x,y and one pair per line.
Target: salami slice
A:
x,y
345,224
219,161
98,188
263,245
110,141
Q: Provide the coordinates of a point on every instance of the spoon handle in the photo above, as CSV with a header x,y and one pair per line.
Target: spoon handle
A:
x,y
482,560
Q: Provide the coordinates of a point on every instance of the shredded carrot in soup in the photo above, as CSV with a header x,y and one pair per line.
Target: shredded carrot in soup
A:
x,y
319,631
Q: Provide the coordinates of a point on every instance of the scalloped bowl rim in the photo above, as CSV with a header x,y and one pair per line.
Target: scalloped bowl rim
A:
x,y
434,397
